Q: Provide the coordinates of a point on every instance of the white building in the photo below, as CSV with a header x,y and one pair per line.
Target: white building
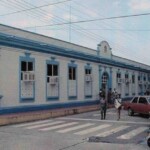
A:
x,y
40,73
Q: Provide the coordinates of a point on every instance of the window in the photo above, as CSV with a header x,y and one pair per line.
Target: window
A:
x,y
55,70
126,76
26,66
148,100
87,71
149,78
104,78
135,100
72,73
26,78
139,78
118,75
133,78
142,100
52,70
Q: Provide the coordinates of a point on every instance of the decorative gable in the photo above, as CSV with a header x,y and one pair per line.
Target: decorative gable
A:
x,y
104,50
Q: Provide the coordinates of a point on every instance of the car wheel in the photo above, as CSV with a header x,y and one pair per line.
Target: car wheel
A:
x,y
148,141
130,112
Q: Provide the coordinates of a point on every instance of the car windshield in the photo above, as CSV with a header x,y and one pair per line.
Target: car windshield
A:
x,y
148,99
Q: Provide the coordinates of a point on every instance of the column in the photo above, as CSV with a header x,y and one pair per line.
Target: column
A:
x,y
110,79
100,77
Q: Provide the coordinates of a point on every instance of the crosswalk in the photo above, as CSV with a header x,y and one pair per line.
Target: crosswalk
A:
x,y
132,133
93,129
78,128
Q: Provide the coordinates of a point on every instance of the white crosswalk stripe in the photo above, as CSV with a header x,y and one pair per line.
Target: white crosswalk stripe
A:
x,y
112,131
31,123
75,128
80,128
58,126
46,124
86,131
132,133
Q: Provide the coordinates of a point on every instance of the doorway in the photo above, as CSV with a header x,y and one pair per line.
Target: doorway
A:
x,y
104,86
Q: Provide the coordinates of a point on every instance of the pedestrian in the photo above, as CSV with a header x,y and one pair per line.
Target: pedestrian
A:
x,y
109,96
118,105
103,107
114,95
101,93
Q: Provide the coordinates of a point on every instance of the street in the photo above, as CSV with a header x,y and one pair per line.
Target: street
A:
x,y
78,132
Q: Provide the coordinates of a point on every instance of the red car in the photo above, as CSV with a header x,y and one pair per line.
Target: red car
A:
x,y
139,104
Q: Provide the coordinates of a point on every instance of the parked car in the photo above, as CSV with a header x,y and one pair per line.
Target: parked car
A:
x,y
139,104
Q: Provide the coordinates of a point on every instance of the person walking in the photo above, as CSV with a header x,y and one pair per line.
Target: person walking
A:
x,y
101,93
118,105
103,107
114,95
109,96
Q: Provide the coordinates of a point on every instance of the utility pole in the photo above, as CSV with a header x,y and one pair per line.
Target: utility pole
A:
x,y
70,24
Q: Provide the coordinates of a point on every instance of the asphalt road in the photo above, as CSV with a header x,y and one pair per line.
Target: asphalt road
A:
x,y
78,132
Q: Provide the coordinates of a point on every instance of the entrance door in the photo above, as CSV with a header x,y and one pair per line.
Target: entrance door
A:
x,y
105,83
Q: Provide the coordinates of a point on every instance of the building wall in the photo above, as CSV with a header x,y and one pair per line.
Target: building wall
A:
x,y
100,62
10,74
9,77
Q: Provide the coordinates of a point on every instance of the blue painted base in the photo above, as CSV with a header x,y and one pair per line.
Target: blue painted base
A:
x,y
31,108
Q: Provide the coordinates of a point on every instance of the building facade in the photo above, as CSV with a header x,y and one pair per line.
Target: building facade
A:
x,y
41,73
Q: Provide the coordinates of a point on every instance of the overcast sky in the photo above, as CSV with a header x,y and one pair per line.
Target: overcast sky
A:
x,y
128,37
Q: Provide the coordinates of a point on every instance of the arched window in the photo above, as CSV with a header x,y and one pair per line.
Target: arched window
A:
x,y
105,78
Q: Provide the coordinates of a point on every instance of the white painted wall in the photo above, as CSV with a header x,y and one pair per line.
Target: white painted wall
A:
x,y
10,78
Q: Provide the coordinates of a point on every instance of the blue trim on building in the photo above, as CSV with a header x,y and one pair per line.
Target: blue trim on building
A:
x,y
100,77
28,99
110,79
88,96
72,97
52,62
72,65
53,98
32,108
127,94
22,43
88,67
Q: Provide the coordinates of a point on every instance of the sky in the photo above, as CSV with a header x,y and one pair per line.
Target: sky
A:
x,y
128,37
